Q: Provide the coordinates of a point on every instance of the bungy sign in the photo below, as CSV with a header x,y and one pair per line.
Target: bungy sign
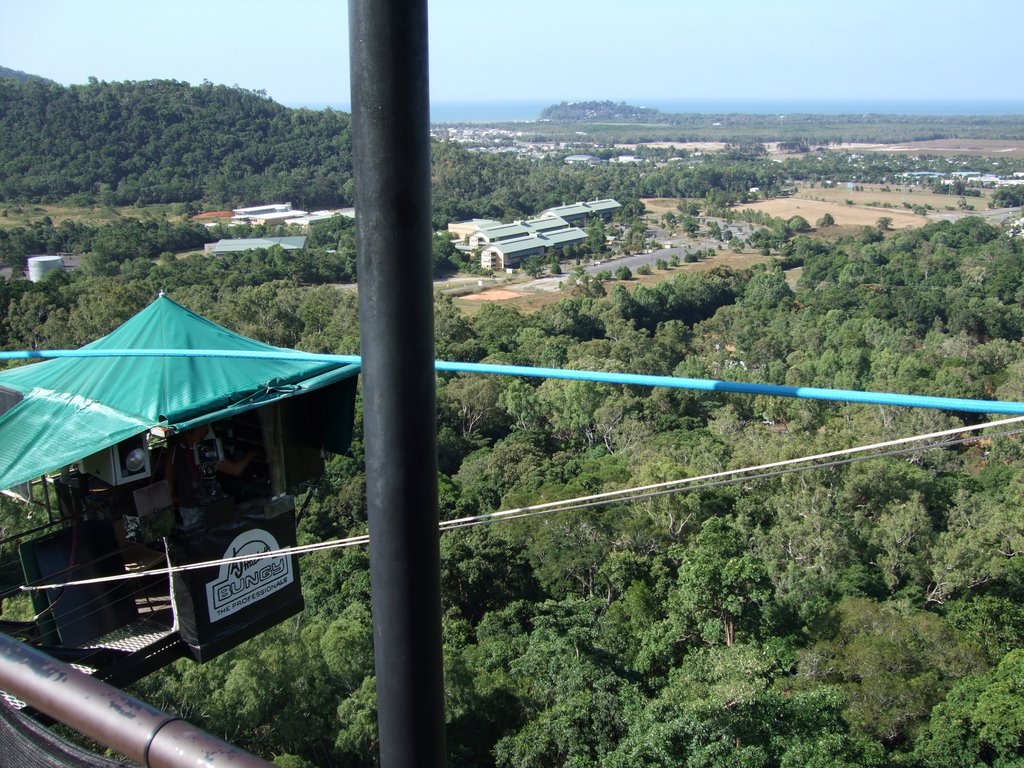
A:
x,y
219,606
243,583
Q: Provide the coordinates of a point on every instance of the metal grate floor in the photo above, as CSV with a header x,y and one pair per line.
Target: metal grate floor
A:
x,y
12,701
133,637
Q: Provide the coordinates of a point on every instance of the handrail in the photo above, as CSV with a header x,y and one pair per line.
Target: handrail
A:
x,y
137,730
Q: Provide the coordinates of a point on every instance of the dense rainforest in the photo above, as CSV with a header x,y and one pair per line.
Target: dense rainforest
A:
x,y
160,141
17,74
850,613
858,614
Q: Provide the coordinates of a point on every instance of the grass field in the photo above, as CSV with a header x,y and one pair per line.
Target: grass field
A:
x,y
896,196
866,205
656,206
849,207
843,214
19,215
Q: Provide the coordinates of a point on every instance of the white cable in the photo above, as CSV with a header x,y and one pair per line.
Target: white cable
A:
x,y
593,500
613,495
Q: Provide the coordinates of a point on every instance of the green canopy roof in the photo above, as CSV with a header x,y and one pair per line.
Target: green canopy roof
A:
x,y
68,408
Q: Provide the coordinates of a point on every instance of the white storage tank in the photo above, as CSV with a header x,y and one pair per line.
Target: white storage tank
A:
x,y
40,266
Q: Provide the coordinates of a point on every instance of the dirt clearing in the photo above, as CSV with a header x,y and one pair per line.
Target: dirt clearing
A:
x,y
980,147
842,214
492,294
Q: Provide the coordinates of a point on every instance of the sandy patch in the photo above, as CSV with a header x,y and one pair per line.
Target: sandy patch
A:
x,y
979,147
494,294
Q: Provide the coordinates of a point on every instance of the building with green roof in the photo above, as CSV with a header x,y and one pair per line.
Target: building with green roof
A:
x,y
577,213
508,254
238,245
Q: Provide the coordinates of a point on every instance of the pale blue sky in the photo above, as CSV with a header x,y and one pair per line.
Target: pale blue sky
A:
x,y
551,50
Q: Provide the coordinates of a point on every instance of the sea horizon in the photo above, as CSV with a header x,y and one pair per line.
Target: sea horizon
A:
x,y
529,110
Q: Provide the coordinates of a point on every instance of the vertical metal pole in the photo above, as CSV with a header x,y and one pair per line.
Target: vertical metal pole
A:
x,y
391,154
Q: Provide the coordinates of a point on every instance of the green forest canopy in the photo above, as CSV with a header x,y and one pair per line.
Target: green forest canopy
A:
x,y
859,615
165,141
162,141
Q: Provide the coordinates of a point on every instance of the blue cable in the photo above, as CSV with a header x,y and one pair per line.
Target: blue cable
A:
x,y
606,377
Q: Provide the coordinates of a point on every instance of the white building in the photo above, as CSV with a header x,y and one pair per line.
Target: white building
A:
x,y
247,214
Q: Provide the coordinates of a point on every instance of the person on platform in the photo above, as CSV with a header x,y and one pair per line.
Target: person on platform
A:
x,y
194,483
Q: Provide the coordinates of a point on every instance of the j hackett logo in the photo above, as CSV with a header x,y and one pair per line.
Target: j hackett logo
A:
x,y
245,582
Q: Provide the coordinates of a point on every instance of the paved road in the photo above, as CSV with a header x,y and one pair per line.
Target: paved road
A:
x,y
995,216
679,247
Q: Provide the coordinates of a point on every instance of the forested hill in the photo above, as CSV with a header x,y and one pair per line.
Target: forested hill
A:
x,y
17,74
587,111
166,141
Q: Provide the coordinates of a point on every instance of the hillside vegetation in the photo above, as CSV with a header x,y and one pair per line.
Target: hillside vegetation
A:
x,y
863,613
139,143
18,75
160,141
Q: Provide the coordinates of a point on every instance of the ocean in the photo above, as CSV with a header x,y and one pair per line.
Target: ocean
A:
x,y
528,111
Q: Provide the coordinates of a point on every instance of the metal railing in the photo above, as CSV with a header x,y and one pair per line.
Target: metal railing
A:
x,y
111,717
